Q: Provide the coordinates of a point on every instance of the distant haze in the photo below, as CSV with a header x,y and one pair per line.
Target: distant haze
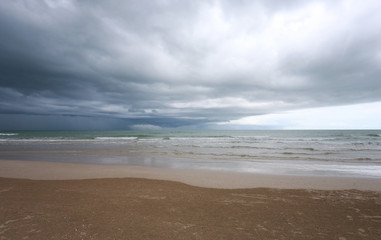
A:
x,y
190,64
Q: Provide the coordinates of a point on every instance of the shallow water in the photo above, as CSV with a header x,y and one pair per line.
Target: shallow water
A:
x,y
355,153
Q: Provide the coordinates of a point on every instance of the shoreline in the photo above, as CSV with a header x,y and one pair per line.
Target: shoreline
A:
x,y
38,170
48,200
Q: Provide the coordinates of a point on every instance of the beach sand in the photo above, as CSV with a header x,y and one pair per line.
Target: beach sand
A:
x,y
118,205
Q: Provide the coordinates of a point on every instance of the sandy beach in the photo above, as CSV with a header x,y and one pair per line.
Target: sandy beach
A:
x,y
125,202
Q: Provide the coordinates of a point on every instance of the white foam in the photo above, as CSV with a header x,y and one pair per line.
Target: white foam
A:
x,y
115,138
8,134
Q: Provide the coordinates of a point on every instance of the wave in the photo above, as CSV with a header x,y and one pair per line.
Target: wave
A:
x,y
363,159
306,148
373,135
116,138
42,140
8,134
252,147
289,153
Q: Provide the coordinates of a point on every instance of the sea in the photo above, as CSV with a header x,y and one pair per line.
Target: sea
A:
x,y
341,153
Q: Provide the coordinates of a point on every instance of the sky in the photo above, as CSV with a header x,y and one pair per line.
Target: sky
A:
x,y
170,64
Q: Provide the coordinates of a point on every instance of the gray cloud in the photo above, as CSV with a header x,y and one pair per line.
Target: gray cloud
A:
x,y
183,63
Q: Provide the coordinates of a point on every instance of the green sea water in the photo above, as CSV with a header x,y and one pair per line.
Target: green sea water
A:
x,y
292,152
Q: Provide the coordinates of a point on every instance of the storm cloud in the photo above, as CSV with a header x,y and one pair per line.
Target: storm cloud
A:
x,y
136,64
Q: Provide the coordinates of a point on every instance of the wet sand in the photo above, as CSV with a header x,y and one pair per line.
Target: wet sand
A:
x,y
210,179
137,208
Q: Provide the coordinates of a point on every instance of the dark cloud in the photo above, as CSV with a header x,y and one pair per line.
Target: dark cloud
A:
x,y
182,63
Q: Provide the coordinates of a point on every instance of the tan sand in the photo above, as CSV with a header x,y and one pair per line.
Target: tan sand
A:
x,y
151,209
212,179
117,207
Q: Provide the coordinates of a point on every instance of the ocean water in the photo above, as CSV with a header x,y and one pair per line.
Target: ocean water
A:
x,y
353,153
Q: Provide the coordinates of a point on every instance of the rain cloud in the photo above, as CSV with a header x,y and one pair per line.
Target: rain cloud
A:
x,y
182,64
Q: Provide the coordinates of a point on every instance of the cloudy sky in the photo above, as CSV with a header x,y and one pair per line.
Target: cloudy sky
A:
x,y
142,64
